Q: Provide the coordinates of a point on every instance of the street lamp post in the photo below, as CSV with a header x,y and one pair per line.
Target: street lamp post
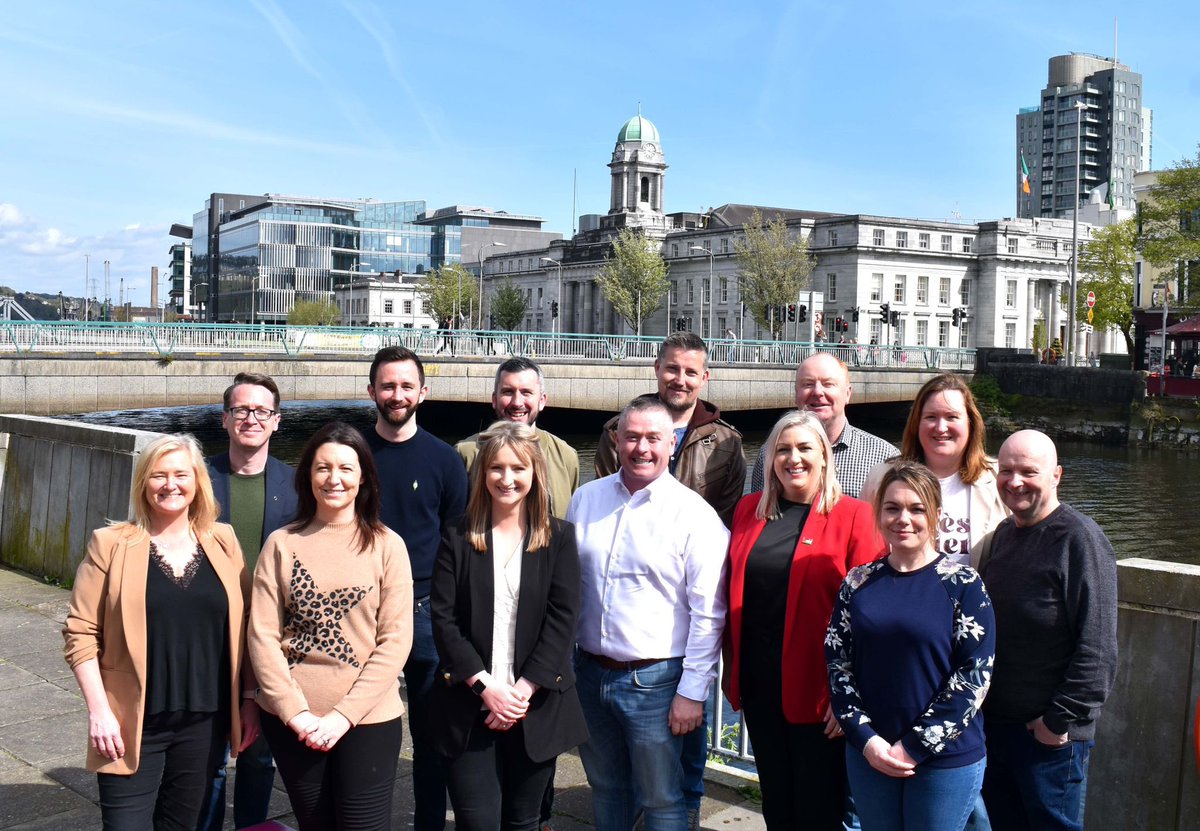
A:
x,y
481,247
554,324
711,294
1079,108
253,292
87,281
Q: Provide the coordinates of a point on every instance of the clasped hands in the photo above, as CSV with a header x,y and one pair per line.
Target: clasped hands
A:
x,y
507,704
319,732
889,759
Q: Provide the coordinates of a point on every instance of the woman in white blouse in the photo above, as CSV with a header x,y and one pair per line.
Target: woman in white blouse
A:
x,y
504,604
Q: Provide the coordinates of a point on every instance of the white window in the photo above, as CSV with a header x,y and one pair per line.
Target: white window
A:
x,y
898,337
947,242
901,288
876,329
691,292
943,333
964,334
707,290
876,288
1012,245
724,245
922,290
943,291
408,307
831,287
724,289
674,292
674,249
1010,335
539,305
923,241
833,237
922,333
964,293
387,307
1010,294
967,244
878,236
902,239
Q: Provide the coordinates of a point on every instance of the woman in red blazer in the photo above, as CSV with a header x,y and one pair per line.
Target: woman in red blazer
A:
x,y
792,545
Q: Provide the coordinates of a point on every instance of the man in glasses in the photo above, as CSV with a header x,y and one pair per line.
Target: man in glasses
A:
x,y
257,495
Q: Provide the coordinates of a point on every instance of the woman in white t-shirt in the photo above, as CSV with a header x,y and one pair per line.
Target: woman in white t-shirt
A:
x,y
945,433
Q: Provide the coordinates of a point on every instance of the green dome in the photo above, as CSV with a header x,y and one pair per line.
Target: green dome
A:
x,y
638,129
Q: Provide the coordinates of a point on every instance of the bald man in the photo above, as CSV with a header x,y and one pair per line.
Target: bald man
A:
x,y
1052,576
823,388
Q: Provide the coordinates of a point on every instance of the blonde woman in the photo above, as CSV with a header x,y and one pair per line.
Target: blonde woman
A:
x,y
155,638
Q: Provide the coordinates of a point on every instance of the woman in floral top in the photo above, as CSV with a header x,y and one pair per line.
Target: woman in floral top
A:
x,y
910,649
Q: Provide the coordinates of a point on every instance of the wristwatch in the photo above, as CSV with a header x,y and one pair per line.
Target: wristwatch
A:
x,y
478,687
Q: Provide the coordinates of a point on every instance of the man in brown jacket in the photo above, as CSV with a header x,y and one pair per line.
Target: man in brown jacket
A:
x,y
708,459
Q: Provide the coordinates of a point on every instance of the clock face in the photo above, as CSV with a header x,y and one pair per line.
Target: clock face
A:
x,y
649,148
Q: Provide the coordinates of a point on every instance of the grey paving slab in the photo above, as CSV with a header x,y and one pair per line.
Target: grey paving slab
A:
x,y
80,819
31,795
44,664
26,631
43,740
70,771
13,675
27,704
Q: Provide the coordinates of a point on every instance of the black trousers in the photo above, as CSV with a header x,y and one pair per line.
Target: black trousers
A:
x,y
494,785
178,754
348,788
802,774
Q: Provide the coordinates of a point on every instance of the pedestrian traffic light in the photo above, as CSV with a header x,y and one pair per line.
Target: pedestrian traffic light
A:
x,y
803,313
681,324
791,313
553,308
894,319
958,316
884,314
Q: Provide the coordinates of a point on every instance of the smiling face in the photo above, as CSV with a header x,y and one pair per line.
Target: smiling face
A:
x,y
171,485
509,477
681,375
823,388
335,475
250,433
397,392
944,431
799,464
519,397
645,441
904,521
1028,476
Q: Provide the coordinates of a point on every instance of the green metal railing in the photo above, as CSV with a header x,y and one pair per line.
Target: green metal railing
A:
x,y
170,339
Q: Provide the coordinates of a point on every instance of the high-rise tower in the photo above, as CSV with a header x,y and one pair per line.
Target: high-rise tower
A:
x,y
1114,131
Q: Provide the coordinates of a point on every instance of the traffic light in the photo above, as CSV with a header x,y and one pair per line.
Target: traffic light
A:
x,y
553,308
884,313
681,324
958,316
854,314
803,313
791,313
895,319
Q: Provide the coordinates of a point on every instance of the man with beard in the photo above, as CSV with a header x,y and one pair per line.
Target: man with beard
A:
x,y
707,458
423,488
520,396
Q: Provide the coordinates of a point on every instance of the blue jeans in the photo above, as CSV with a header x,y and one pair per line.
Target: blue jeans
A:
x,y
933,799
695,757
429,775
251,789
1032,787
631,759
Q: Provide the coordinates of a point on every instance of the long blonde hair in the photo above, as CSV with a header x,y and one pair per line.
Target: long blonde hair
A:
x,y
829,492
204,510
525,442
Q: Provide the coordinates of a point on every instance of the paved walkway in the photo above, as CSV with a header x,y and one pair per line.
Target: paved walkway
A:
x,y
43,736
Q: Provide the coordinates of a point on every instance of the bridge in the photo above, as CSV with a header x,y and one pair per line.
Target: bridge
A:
x,y
67,367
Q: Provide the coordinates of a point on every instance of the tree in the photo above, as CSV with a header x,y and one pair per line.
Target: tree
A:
x,y
508,307
1041,335
1169,225
314,313
634,278
775,266
447,290
1106,268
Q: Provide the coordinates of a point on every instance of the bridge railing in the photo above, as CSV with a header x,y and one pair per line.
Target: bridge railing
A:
x,y
167,339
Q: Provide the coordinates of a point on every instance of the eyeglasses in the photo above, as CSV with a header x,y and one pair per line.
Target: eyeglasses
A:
x,y
243,413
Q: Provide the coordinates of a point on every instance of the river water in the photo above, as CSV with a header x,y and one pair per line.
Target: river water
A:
x,y
1140,497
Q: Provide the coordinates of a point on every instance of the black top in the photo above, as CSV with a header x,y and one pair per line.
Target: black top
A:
x,y
764,601
187,638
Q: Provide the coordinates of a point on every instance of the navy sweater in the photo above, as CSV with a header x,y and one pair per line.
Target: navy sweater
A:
x,y
423,489
910,659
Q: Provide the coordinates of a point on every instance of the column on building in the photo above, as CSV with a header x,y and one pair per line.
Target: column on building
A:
x,y
1031,290
1055,309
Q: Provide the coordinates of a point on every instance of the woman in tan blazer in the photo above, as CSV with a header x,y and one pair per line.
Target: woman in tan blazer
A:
x,y
155,636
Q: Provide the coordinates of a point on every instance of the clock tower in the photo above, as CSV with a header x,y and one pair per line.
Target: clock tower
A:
x,y
637,166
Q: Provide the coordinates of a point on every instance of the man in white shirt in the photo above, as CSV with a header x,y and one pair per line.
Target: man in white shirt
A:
x,y
652,556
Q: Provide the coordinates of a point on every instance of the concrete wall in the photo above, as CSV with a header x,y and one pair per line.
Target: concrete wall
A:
x,y
61,385
1083,384
59,481
1144,772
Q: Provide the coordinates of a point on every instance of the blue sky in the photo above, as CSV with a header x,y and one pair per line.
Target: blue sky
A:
x,y
117,119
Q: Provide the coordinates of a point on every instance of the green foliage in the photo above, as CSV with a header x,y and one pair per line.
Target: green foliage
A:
x,y
1152,412
1170,216
1041,335
314,313
1106,268
508,307
450,289
991,399
634,278
775,266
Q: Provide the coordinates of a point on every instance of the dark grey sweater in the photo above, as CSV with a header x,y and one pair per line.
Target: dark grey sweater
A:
x,y
1054,589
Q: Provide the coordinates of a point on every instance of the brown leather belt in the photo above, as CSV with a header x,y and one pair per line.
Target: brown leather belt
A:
x,y
622,666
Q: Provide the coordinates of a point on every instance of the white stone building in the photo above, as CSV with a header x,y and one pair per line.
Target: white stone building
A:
x,y
383,300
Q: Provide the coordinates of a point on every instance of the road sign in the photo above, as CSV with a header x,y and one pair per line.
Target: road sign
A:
x,y
1091,301
1090,313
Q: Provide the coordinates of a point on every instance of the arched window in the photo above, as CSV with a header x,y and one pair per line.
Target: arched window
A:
x,y
645,188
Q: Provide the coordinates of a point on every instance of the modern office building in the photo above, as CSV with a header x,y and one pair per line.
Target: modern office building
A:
x,y
1098,103
180,291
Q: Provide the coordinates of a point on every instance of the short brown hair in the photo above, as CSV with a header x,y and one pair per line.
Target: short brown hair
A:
x,y
253,379
687,341
922,481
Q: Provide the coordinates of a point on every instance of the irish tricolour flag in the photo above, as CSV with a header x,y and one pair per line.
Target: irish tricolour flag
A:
x,y
1024,174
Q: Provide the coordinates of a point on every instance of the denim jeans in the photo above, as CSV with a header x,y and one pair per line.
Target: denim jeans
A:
x,y
933,799
631,759
251,789
695,758
1033,787
429,775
